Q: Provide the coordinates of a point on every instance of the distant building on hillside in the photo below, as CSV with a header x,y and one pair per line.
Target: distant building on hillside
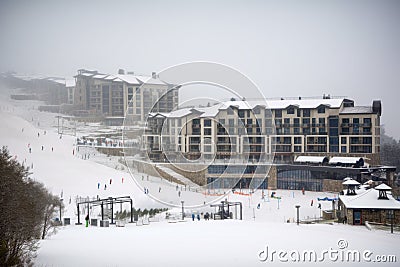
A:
x,y
122,94
52,90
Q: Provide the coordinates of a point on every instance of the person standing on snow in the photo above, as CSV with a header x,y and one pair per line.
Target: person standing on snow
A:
x,y
87,220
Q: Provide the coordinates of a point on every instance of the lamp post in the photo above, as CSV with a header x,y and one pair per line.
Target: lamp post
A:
x,y
390,216
297,207
183,211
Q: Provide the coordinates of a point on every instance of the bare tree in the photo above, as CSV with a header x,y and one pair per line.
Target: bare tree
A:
x,y
24,206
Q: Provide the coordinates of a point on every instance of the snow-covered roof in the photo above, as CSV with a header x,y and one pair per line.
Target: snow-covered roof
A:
x,y
100,76
56,80
305,103
110,77
70,83
351,182
383,187
311,159
357,110
344,160
131,79
180,113
149,80
87,74
368,199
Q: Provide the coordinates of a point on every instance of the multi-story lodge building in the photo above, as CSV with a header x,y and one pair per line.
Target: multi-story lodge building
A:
x,y
310,144
286,128
122,95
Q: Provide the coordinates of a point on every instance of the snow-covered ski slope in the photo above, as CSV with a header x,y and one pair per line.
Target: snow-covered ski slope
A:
x,y
212,243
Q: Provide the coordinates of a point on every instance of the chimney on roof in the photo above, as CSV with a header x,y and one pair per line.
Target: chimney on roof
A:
x,y
121,71
130,73
326,96
383,188
154,75
299,97
377,107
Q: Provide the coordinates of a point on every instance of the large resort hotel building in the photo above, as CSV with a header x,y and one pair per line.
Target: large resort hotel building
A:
x,y
316,143
117,96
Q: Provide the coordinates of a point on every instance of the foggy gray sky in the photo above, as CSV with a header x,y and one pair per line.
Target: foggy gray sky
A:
x,y
288,48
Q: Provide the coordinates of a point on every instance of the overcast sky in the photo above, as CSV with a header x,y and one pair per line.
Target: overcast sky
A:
x,y
288,48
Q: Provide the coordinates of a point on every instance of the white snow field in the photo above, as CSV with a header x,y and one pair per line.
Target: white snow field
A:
x,y
174,243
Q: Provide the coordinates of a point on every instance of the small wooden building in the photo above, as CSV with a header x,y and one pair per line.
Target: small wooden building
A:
x,y
357,206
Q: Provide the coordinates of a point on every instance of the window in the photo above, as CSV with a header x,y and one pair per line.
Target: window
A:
x,y
367,121
306,121
297,149
278,113
257,111
207,131
286,121
321,109
241,113
321,121
286,130
290,110
231,122
249,121
356,120
222,121
345,120
306,113
343,140
130,93
207,123
296,122
230,111
297,140
366,130
298,113
343,149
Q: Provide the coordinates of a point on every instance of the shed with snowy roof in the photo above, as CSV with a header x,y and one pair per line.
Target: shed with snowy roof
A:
x,y
368,204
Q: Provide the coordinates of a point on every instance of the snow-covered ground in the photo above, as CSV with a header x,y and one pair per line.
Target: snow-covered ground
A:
x,y
225,243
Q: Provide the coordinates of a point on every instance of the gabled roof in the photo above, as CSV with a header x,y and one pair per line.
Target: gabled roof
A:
x,y
131,79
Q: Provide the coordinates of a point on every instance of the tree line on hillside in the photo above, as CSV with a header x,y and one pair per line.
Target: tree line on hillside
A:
x,y
27,210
